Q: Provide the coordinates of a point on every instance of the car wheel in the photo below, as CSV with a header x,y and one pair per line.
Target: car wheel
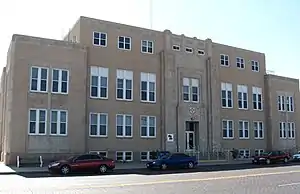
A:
x,y
103,169
191,165
285,160
268,161
65,170
164,167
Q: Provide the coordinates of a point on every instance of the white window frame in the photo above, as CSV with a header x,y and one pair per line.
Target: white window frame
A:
x,y
241,90
258,127
227,129
191,83
147,46
176,47
148,126
290,104
99,72
224,60
58,122
124,47
124,126
124,75
148,156
282,130
258,93
259,152
60,81
98,124
245,127
150,78
37,121
201,52
240,63
101,153
281,103
189,50
291,130
255,66
227,87
100,39
243,153
39,79
124,155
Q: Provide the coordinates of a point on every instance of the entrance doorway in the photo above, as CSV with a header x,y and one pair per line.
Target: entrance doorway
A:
x,y
190,135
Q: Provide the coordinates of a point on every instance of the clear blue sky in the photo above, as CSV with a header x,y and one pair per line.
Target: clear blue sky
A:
x,y
268,26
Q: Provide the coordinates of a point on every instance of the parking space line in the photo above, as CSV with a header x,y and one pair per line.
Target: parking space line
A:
x,y
289,184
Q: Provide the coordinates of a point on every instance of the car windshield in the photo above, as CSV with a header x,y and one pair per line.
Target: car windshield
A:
x,y
71,158
164,157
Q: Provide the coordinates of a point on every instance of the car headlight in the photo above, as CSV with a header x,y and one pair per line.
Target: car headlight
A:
x,y
55,164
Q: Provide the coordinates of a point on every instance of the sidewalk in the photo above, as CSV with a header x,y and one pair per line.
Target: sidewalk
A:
x,y
8,170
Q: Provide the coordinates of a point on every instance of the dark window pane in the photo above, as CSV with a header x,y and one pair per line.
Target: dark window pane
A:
x,y
53,128
96,35
120,93
128,130
94,91
103,81
63,128
144,85
42,128
55,74
121,45
230,133
55,86
143,95
34,72
64,87
128,94
152,96
33,84
96,41
64,75
120,130
32,127
44,73
127,46
43,85
103,36
128,84
103,92
93,130
144,49
94,80
120,83
102,130
103,42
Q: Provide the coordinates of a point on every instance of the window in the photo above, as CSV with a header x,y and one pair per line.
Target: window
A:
x,y
244,153
124,125
98,124
148,126
60,81
255,66
291,130
101,153
201,52
289,104
39,79
100,39
258,152
226,95
148,87
59,122
37,122
99,82
257,98
243,129
228,129
242,96
224,60
240,63
145,156
176,47
124,156
188,50
258,129
190,90
124,43
282,130
124,85
281,103
147,46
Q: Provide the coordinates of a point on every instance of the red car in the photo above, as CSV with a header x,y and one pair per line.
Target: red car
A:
x,y
82,163
271,157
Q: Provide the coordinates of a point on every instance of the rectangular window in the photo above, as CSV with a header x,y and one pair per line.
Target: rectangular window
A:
x,y
244,153
255,66
281,103
145,156
242,96
188,50
60,81
124,43
124,156
289,104
190,90
99,82
258,129
148,126
147,46
258,152
291,130
59,122
176,47
224,60
37,122
257,98
124,125
148,87
98,124
243,129
101,153
226,95
282,130
228,129
100,39
124,85
240,63
201,52
39,79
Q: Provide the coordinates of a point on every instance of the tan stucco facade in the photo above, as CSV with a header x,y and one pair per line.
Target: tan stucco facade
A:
x,y
174,60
